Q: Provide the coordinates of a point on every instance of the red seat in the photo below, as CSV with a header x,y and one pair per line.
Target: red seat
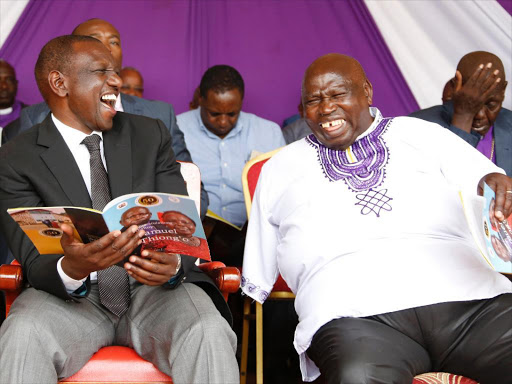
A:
x,y
441,378
119,364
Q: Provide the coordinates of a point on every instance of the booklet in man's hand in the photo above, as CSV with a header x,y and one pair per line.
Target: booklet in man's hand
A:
x,y
493,238
171,223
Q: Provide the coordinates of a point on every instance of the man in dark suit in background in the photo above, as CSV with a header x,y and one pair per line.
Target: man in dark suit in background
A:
x,y
475,111
58,323
111,38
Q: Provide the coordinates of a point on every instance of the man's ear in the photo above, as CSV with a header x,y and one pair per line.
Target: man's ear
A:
x,y
57,82
368,91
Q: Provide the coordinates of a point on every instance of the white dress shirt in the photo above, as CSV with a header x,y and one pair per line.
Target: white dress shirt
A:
x,y
73,138
342,263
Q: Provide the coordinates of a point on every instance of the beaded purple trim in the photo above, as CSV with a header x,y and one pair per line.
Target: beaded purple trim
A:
x,y
252,288
371,154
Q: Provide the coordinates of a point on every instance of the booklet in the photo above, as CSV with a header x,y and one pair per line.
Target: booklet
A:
x,y
171,223
493,238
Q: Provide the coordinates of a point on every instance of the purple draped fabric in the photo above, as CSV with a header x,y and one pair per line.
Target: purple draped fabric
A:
x,y
173,42
507,4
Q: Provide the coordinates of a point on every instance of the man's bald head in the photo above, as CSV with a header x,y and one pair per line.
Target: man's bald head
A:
x,y
470,62
336,96
106,33
337,62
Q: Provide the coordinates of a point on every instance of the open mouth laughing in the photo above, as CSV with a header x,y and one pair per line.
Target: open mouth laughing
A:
x,y
332,126
109,101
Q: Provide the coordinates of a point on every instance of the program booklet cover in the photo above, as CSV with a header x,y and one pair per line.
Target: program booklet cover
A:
x,y
497,235
493,238
171,223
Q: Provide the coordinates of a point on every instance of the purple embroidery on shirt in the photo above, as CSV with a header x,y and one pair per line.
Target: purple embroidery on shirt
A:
x,y
252,288
374,201
371,154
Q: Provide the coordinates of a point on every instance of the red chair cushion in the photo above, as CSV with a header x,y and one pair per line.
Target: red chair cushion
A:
x,y
253,174
118,365
441,378
281,285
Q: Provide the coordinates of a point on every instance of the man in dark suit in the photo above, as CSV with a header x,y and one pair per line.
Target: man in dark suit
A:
x,y
111,38
56,325
475,111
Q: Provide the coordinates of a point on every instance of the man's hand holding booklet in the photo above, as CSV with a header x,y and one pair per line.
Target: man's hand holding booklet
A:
x,y
171,223
493,237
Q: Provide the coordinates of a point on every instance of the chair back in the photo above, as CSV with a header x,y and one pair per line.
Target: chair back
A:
x,y
250,175
192,176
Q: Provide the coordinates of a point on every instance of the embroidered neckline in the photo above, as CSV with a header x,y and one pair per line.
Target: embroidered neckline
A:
x,y
371,157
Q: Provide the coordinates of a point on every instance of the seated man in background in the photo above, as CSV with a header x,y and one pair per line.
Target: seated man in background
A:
x,y
363,221
133,83
10,107
222,138
475,111
158,304
296,130
110,37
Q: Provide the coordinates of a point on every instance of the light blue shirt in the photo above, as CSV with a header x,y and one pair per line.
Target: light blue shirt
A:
x,y
221,161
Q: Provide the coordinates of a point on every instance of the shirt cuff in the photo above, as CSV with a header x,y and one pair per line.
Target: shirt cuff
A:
x,y
71,284
175,280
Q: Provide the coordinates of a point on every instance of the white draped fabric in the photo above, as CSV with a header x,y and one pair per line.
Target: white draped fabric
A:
x,y
10,11
428,38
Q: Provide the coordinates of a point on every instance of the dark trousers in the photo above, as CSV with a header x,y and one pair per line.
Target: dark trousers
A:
x,y
471,338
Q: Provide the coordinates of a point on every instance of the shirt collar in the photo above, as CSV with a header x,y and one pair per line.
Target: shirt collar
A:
x,y
377,118
73,137
6,111
235,131
119,105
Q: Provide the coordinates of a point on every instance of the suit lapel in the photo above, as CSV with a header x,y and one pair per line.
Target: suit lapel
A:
x,y
503,138
130,105
59,159
118,155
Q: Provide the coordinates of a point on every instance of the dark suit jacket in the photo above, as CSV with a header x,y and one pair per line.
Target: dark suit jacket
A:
x,y
38,169
36,113
442,115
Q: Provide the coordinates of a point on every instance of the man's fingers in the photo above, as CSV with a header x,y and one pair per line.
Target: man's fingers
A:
x,y
67,235
458,81
473,79
507,208
483,72
141,273
501,197
490,85
116,241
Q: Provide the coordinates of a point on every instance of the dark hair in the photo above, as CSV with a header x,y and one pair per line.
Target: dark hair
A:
x,y
56,56
221,78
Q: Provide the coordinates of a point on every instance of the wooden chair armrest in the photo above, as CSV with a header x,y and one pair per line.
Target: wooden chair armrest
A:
x,y
227,279
11,278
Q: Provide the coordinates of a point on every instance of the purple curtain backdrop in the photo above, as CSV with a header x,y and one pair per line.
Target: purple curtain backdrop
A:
x,y
173,42
507,4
